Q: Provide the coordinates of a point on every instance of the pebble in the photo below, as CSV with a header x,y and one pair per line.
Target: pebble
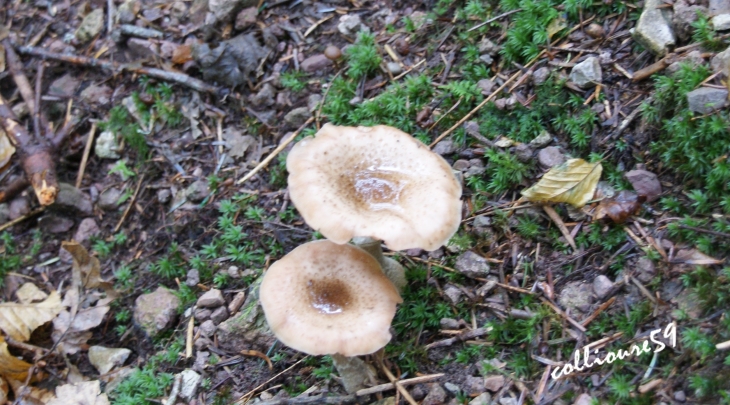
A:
x,y
436,395
653,29
70,198
583,399
524,152
316,62
197,191
18,207
645,183
202,314
541,75
246,18
541,140
201,360
576,296
473,385
104,359
212,298
486,86
587,73
208,328
449,323
193,278
332,52
595,30
721,62
680,396
91,25
350,24
494,383
451,387
190,380
107,146
87,228
297,116
721,22
52,224
265,96
394,68
482,399
156,311
97,95
707,99
163,195
445,147
219,315
472,265
461,165
108,198
645,269
453,293
602,285
550,157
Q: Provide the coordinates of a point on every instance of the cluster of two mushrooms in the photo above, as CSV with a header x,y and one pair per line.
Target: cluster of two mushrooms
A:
x,y
368,183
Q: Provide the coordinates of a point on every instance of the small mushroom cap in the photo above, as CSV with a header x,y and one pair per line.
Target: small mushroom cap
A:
x,y
377,182
325,298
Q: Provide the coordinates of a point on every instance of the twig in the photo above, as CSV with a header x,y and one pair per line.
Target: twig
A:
x,y
324,98
37,100
560,224
129,206
85,158
390,386
651,69
251,393
189,338
600,309
625,123
643,289
21,219
275,152
723,346
16,69
397,384
692,228
176,77
15,188
256,353
459,338
563,314
175,390
493,19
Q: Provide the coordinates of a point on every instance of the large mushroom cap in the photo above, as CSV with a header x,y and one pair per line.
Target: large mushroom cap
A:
x,y
325,298
377,182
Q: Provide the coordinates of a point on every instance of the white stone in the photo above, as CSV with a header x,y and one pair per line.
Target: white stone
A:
x,y
104,358
721,22
189,384
587,73
107,146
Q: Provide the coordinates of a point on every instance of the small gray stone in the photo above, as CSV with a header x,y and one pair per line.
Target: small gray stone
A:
x,y
202,314
212,298
52,223
436,395
721,22
541,75
265,96
297,116
494,383
18,207
654,31
488,47
64,86
350,25
87,229
127,11
197,191
394,68
107,146
576,296
680,396
233,272
550,157
645,269
461,165
473,385
190,380
541,140
693,59
163,195
208,328
448,323
482,221
707,99
587,73
721,62
524,152
193,278
97,95
313,102
70,198
223,10
445,147
315,62
453,293
156,311
583,399
486,86
91,25
201,360
109,198
219,315
452,388
602,285
684,15
719,7
246,18
472,265
645,183
486,59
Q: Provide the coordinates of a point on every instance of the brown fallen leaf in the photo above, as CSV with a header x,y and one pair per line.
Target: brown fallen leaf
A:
x,y
182,54
6,149
620,207
693,256
83,393
572,182
11,366
4,390
72,332
31,395
87,269
20,320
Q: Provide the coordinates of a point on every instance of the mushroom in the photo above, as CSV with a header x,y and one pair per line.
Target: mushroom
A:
x,y
325,298
376,182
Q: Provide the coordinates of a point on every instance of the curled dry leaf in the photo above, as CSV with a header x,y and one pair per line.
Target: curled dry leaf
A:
x,y
86,269
572,182
83,393
6,149
72,332
620,207
11,366
694,256
20,320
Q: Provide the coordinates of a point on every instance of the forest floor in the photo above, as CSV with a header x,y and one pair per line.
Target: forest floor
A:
x,y
160,115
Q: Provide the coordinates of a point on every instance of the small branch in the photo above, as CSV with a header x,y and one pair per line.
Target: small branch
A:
x,y
692,228
625,123
564,315
37,100
459,338
15,188
493,19
179,78
129,207
560,224
85,158
21,219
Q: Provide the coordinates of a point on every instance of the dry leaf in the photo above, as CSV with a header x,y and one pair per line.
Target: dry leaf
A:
x,y
572,182
83,393
237,143
6,149
31,395
4,390
11,366
620,207
28,293
182,54
106,358
86,269
75,332
20,320
694,256
555,26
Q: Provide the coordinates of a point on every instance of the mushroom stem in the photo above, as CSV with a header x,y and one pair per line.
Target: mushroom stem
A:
x,y
355,373
392,269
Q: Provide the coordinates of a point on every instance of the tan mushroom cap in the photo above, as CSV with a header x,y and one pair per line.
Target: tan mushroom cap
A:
x,y
377,182
325,298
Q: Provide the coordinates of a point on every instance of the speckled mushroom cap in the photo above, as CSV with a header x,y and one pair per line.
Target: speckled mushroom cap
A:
x,y
325,298
376,182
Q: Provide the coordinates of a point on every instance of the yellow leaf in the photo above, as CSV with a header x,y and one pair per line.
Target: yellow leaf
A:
x,y
6,149
20,320
573,182
555,26
11,366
